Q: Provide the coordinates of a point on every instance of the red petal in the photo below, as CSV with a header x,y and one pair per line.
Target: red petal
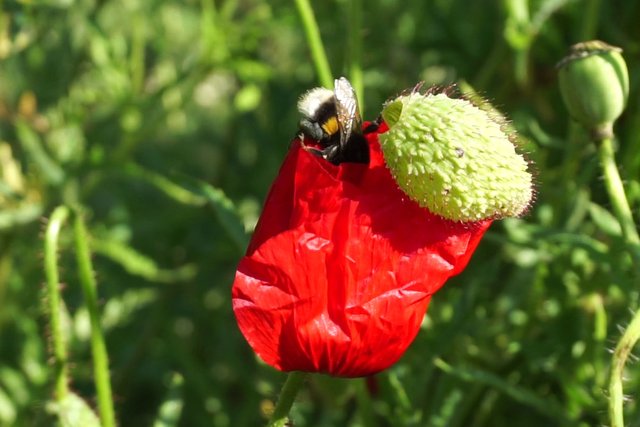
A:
x,y
342,266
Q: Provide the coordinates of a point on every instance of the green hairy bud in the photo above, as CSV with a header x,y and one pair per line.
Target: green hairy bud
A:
x,y
454,158
594,83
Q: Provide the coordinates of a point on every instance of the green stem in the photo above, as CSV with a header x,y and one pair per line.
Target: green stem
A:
x,y
61,368
519,21
365,409
589,20
355,50
98,347
616,192
632,334
288,394
624,347
315,43
599,336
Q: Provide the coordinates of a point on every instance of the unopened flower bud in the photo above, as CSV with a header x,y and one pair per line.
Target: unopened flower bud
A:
x,y
454,158
594,83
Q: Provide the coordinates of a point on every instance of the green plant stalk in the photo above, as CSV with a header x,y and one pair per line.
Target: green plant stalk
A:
x,y
365,410
631,335
355,50
521,67
318,53
288,394
616,193
61,368
624,347
600,336
98,347
517,12
589,19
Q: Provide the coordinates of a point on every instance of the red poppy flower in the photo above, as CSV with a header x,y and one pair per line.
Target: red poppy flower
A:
x,y
342,265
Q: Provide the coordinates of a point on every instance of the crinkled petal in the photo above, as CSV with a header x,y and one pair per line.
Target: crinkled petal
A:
x,y
342,266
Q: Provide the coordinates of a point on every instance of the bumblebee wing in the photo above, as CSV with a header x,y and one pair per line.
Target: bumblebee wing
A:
x,y
347,111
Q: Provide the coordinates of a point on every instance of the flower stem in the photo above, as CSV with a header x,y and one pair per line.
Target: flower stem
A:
x,y
355,50
315,43
631,335
624,347
61,369
589,27
288,394
98,346
363,398
616,192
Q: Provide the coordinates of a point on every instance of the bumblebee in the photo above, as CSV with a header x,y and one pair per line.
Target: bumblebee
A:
x,y
333,119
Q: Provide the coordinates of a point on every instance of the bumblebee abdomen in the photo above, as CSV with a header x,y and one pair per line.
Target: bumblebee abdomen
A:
x,y
330,126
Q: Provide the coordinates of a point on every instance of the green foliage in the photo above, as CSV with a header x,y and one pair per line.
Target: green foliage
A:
x,y
166,122
171,408
73,411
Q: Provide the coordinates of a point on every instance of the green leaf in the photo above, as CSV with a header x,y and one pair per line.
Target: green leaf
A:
x,y
222,206
448,409
16,385
73,411
122,309
171,409
164,184
8,411
227,214
546,8
604,220
138,264
20,215
194,192
31,143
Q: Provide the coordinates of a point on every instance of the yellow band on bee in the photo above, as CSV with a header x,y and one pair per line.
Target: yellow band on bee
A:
x,y
331,126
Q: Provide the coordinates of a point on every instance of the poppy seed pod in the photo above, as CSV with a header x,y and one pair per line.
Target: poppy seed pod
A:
x,y
454,158
594,83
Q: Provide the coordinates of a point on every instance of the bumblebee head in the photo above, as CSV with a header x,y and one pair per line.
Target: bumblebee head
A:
x,y
319,120
332,118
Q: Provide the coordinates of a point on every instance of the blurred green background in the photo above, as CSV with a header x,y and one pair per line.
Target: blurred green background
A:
x,y
167,120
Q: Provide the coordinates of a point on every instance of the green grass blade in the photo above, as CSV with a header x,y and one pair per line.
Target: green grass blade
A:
x,y
138,264
98,347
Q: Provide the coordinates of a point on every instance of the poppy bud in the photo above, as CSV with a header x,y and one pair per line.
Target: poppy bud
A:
x,y
594,83
454,158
